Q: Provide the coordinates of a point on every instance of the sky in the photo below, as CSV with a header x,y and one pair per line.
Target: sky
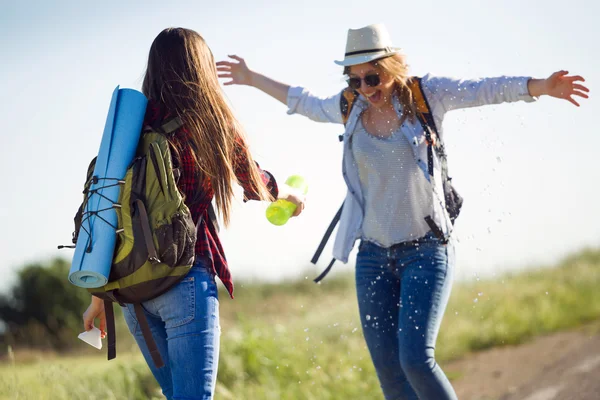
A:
x,y
528,172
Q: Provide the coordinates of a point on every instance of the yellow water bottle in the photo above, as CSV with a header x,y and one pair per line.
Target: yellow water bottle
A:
x,y
279,212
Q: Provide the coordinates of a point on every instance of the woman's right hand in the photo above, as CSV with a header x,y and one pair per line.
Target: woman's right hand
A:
x,y
238,72
294,196
95,310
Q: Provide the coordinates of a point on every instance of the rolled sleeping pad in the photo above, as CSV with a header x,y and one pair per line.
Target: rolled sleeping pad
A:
x,y
95,246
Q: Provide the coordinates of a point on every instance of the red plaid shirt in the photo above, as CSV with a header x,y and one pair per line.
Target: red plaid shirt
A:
x,y
199,194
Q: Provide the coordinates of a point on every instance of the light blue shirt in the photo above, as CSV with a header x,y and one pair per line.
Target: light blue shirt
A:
x,y
443,95
397,196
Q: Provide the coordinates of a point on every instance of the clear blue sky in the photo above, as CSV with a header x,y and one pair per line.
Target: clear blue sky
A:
x,y
528,172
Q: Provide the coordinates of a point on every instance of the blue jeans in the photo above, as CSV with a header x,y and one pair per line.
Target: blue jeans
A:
x,y
402,295
185,325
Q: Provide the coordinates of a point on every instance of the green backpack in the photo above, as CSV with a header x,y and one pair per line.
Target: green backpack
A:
x,y
156,235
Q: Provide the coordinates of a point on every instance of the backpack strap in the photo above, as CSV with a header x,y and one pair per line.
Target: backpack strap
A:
x,y
317,254
147,333
434,142
170,126
421,102
167,128
347,101
325,272
110,329
425,118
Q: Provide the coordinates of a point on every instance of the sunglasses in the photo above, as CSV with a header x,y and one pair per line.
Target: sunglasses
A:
x,y
371,80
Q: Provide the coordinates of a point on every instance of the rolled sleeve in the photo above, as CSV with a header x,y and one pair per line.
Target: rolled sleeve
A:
x,y
293,99
270,182
301,101
242,172
250,192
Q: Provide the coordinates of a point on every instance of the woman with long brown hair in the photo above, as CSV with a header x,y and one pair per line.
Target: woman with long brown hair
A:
x,y
400,203
211,152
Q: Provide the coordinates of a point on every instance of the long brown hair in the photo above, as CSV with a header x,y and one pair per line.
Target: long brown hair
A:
x,y
396,67
181,75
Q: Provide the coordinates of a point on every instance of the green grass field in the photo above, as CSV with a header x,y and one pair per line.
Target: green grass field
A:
x,y
298,340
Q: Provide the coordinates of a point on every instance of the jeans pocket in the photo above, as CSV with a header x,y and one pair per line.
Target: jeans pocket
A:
x,y
178,306
130,318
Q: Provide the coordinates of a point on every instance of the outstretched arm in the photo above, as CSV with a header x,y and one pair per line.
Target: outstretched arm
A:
x,y
240,74
559,85
450,94
242,173
297,99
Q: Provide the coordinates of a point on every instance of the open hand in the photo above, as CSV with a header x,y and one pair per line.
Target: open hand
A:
x,y
562,86
238,72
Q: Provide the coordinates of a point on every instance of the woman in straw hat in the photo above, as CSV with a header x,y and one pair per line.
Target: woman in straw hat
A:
x,y
399,201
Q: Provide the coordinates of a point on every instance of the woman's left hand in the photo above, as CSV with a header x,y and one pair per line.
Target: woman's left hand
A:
x,y
95,310
563,86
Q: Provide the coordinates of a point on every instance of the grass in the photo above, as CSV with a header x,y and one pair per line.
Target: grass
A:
x,y
78,378
297,340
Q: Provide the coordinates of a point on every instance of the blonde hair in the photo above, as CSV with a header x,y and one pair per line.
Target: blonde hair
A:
x,y
396,66
182,76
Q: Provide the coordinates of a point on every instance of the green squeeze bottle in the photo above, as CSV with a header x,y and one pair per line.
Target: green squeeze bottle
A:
x,y
279,212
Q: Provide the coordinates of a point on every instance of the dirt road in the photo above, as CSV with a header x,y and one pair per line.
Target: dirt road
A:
x,y
561,366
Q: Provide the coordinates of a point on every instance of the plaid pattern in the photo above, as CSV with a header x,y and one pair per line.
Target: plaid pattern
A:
x,y
199,193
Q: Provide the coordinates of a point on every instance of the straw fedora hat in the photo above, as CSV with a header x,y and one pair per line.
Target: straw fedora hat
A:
x,y
367,44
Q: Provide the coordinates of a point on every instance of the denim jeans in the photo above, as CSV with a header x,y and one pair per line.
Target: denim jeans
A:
x,y
402,295
185,325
